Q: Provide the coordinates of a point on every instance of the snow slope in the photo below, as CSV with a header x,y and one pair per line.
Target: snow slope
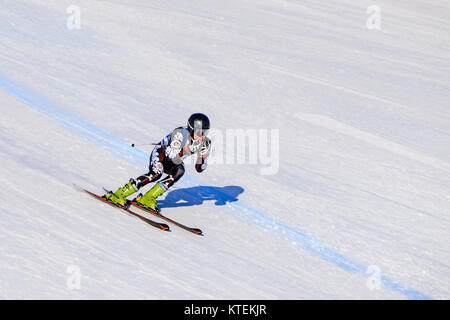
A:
x,y
364,161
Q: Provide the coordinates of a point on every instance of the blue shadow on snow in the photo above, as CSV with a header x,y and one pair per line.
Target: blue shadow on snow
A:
x,y
194,196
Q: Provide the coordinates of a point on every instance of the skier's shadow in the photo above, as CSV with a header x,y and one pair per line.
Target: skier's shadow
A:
x,y
195,196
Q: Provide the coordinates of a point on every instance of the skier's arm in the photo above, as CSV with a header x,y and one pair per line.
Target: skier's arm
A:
x,y
175,144
202,159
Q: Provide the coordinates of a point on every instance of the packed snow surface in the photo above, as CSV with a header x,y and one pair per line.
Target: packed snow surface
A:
x,y
348,197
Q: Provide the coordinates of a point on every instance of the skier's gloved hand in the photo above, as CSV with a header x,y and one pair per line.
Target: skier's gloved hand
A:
x,y
200,167
195,146
203,154
204,148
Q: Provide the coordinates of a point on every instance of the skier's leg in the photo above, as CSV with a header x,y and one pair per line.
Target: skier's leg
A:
x,y
147,178
175,174
156,169
149,199
155,173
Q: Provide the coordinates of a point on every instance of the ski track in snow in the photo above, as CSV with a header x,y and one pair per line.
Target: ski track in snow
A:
x,y
237,209
339,127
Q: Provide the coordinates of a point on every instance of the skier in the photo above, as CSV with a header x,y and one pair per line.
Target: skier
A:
x,y
167,157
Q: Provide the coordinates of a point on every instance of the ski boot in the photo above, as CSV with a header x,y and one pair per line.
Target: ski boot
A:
x,y
149,199
120,196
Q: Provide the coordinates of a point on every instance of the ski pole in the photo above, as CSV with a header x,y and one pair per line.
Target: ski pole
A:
x,y
145,144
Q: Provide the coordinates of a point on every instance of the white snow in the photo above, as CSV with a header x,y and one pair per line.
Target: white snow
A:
x,y
363,181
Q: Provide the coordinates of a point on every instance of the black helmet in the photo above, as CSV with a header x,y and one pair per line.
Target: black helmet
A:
x,y
198,123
